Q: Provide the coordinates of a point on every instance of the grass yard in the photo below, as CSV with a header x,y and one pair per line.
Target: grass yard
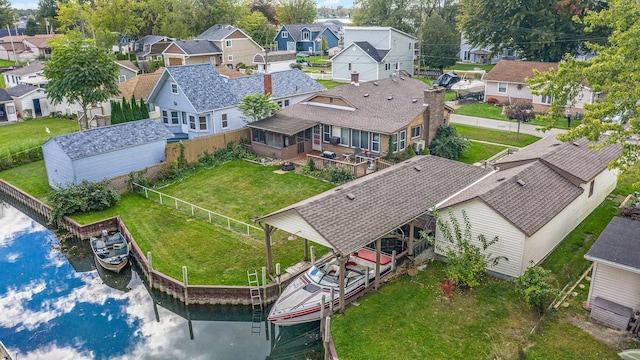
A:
x,y
495,136
30,178
31,133
459,66
479,151
330,84
482,110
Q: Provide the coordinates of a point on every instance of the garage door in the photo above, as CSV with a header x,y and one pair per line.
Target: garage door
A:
x,y
175,61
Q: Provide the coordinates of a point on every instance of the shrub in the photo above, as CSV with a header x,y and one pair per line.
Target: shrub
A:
x,y
339,176
492,101
86,197
447,287
536,287
20,158
448,143
295,66
425,151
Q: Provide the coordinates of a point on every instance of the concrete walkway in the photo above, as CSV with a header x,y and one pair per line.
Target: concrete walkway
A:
x,y
503,125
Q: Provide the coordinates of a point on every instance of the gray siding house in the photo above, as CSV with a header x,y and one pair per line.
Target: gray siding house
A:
x,y
104,152
128,70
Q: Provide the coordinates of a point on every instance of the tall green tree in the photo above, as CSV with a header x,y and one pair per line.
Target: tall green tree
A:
x,y
440,42
47,13
257,107
267,8
127,114
448,143
6,13
400,14
144,110
543,30
135,109
258,28
79,72
116,112
296,11
74,15
117,16
614,72
32,27
210,12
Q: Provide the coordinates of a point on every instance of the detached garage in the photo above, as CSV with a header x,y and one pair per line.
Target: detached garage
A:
x,y
31,101
104,152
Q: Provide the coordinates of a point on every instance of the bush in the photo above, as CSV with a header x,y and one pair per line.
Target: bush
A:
x,y
448,143
339,176
492,101
23,157
295,66
86,197
536,287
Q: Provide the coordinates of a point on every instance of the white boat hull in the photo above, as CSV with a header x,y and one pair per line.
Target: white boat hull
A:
x,y
111,252
468,87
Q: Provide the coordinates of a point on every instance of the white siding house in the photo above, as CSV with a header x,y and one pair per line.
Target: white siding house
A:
x,y
104,152
31,102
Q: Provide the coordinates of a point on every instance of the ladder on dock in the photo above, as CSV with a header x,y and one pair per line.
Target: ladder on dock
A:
x,y
254,290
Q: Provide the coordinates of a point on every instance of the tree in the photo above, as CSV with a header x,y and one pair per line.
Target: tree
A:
x,y
31,28
536,287
116,16
127,113
542,30
440,42
209,12
520,111
257,107
613,71
74,15
144,110
323,45
296,11
466,262
6,13
258,28
47,13
448,143
116,112
267,8
400,14
80,72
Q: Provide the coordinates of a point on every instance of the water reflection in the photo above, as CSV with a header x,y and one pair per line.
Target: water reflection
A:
x,y
54,304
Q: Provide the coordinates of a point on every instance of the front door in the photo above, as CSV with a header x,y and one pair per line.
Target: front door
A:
x,y
37,110
317,136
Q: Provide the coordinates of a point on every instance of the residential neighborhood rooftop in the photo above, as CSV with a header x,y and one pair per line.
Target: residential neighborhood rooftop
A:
x,y
517,71
21,90
217,32
618,244
139,86
377,55
32,68
196,47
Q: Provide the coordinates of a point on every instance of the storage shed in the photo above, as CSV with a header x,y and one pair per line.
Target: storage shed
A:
x,y
30,101
615,282
104,152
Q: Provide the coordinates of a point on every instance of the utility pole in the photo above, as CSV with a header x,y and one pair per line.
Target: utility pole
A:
x,y
13,48
420,42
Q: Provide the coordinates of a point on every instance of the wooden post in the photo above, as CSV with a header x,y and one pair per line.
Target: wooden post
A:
x,y
185,282
306,250
333,299
278,273
393,260
313,255
268,230
378,246
322,307
411,235
366,279
342,260
327,331
150,273
264,285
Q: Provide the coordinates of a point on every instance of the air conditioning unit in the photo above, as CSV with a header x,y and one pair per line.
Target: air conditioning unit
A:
x,y
334,140
418,146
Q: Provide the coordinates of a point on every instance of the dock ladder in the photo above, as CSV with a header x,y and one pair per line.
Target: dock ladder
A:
x,y
256,301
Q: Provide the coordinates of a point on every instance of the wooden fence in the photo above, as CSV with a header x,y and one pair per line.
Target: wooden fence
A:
x,y
356,168
195,148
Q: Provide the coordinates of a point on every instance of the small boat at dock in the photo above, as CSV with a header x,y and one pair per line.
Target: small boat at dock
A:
x,y
111,252
300,302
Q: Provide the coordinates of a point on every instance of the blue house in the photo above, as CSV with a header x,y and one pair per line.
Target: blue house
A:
x,y
104,152
306,37
196,100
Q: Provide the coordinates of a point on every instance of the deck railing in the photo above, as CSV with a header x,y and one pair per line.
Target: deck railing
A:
x,y
356,168
200,212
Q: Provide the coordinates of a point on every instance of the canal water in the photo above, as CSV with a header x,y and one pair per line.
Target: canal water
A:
x,y
55,304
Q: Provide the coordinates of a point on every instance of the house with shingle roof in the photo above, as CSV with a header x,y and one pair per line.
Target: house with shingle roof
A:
x,y
237,47
196,100
25,48
273,61
140,87
105,152
305,38
374,53
614,291
15,76
507,82
7,108
191,52
127,70
150,47
538,196
355,118
30,101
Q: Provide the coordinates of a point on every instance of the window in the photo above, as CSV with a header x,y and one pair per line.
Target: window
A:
x,y
165,117
184,118
174,88
228,43
360,139
591,187
394,143
403,140
225,122
397,66
286,102
158,57
387,66
202,122
284,34
502,88
11,109
305,35
409,46
259,136
349,66
547,99
175,119
122,78
342,133
375,142
192,122
326,133
416,131
230,58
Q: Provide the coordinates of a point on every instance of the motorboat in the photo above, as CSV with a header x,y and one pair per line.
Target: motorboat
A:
x,y
446,80
111,252
301,300
469,88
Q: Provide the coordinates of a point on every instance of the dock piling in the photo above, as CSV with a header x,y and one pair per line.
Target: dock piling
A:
x,y
185,282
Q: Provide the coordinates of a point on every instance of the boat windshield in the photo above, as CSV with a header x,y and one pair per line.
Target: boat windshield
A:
x,y
315,274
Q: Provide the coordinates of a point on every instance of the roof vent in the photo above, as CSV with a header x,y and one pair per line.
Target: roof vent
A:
x,y
501,179
375,83
414,101
521,183
366,95
418,168
390,97
350,196
576,144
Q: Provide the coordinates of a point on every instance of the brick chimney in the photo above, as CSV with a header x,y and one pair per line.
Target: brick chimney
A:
x,y
268,89
355,77
434,114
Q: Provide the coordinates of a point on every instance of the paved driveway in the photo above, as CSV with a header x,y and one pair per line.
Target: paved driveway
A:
x,y
502,125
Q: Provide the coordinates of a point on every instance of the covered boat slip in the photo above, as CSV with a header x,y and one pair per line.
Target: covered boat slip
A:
x,y
366,210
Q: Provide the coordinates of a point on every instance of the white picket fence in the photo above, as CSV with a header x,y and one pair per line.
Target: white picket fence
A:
x,y
200,212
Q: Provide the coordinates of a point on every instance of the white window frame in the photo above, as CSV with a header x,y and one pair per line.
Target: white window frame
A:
x,y
229,57
174,88
375,142
506,88
201,123
165,117
402,141
418,131
284,34
192,122
358,138
547,100
122,78
224,121
326,133
306,35
184,118
228,43
11,109
175,118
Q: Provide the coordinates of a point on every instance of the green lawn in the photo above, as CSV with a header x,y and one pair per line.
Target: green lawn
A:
x,y
7,63
479,151
495,136
30,178
31,133
460,66
482,110
330,84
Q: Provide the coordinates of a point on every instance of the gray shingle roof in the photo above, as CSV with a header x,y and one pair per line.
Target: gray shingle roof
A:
x,y
383,200
373,111
295,30
4,96
151,39
283,83
217,32
203,86
32,68
619,243
20,90
377,55
196,47
109,138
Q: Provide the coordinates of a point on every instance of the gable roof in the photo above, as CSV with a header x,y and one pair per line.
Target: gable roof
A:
x,y
32,68
16,47
377,55
515,71
139,86
295,30
618,245
217,32
381,201
371,108
151,39
203,86
127,64
109,138
21,90
197,47
283,83
4,96
40,41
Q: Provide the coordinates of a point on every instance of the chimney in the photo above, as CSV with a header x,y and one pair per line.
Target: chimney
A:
x,y
355,77
434,114
268,89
